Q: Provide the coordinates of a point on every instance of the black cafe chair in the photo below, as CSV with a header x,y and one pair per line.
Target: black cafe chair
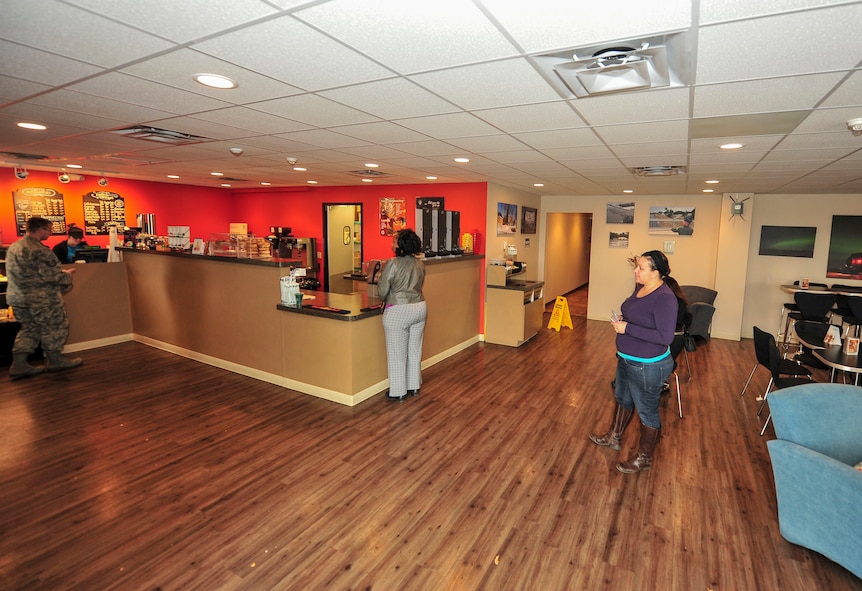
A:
x,y
814,307
786,367
788,309
778,381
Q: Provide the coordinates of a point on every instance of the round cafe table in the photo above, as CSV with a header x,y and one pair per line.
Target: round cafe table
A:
x,y
811,334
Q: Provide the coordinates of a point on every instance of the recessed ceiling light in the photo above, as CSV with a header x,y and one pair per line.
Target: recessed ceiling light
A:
x,y
217,173
371,165
733,146
299,168
74,166
311,182
265,184
538,184
36,126
173,176
462,160
215,81
430,178
627,191
712,182
709,190
367,180
225,184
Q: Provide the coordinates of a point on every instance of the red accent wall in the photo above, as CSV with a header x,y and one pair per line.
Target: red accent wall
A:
x,y
302,210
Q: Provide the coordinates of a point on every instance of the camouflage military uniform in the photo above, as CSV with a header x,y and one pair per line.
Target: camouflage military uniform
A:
x,y
35,292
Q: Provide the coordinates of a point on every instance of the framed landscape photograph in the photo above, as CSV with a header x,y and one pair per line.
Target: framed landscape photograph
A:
x,y
845,248
787,241
621,213
671,220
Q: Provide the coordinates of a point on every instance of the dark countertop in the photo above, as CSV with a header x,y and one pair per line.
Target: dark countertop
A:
x,y
265,262
518,285
353,303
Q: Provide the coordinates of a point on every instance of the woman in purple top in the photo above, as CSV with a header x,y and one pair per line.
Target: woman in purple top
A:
x,y
645,331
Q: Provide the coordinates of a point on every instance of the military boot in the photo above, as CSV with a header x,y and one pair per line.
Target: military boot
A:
x,y
21,369
58,362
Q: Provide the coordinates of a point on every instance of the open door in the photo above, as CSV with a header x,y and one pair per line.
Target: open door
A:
x,y
342,245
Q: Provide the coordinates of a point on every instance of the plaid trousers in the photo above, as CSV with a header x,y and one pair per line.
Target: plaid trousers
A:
x,y
404,327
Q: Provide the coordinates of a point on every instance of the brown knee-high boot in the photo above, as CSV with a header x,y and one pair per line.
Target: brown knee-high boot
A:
x,y
643,459
614,436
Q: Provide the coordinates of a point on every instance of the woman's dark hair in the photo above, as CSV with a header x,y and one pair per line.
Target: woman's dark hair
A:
x,y
408,243
659,262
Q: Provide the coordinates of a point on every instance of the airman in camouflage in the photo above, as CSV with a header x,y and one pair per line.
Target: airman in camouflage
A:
x,y
37,283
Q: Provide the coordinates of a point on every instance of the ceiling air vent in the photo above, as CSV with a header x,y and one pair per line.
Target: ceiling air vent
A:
x,y
23,156
640,64
658,170
162,136
368,173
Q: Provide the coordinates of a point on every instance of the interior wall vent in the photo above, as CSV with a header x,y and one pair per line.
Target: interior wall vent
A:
x,y
658,170
163,136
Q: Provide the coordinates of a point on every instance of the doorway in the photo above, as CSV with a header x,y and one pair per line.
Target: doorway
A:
x,y
568,242
342,245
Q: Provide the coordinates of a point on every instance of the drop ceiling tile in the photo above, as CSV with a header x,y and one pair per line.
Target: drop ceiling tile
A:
x,y
488,144
648,160
761,143
844,141
183,22
762,48
573,24
536,117
451,125
53,69
830,120
135,91
665,131
324,138
484,86
67,100
12,89
299,48
635,107
176,69
55,27
763,96
577,153
724,10
430,148
402,99
849,94
314,110
516,157
729,156
678,148
413,36
253,121
380,132
563,138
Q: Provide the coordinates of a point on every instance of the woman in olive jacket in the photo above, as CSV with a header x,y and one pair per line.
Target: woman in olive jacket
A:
x,y
404,314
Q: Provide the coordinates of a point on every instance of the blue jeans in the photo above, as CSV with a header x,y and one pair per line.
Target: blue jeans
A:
x,y
638,386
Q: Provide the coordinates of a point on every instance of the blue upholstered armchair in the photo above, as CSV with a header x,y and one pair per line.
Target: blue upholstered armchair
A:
x,y
819,430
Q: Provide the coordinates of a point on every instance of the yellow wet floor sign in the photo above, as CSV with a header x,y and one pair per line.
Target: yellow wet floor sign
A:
x,y
560,316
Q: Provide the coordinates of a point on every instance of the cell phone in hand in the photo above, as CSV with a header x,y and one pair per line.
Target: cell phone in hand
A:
x,y
614,316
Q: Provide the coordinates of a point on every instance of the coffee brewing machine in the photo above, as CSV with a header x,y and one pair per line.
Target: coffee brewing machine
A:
x,y
440,230
286,246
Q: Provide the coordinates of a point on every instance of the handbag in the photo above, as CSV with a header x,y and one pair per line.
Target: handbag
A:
x,y
690,345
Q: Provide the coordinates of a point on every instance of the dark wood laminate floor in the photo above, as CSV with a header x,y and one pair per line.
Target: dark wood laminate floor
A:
x,y
142,471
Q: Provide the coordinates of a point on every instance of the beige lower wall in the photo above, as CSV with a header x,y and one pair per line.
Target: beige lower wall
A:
x,y
98,306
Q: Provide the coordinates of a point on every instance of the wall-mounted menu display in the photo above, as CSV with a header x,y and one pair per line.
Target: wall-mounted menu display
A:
x,y
102,210
39,202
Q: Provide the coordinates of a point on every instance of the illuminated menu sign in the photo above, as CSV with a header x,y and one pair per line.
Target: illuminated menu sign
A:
x,y
102,210
39,202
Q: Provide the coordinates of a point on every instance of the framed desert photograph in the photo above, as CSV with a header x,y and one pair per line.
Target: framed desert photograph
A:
x,y
507,219
621,213
671,221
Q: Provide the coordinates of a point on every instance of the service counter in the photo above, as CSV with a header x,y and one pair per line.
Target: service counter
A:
x,y
227,312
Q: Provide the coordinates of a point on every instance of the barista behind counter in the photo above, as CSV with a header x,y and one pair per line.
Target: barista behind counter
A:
x,y
66,249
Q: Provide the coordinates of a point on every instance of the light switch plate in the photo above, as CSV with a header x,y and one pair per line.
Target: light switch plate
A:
x,y
669,246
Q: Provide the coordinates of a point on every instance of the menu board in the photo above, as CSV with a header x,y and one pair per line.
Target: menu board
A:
x,y
39,202
102,210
